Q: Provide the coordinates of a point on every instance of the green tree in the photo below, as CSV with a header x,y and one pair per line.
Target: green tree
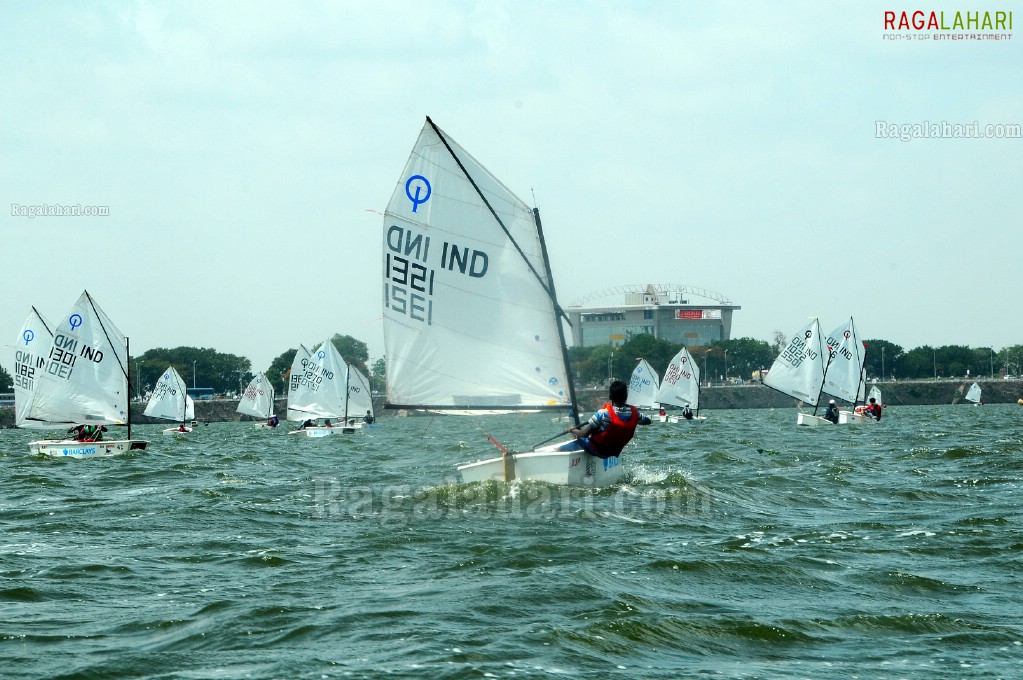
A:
x,y
280,370
6,382
352,350
378,377
1009,359
198,367
881,357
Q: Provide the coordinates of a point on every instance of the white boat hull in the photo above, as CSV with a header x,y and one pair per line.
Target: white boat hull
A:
x,y
810,420
853,418
177,430
324,431
680,419
570,468
69,448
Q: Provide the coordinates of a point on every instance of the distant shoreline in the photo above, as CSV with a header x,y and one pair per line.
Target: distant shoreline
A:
x,y
905,393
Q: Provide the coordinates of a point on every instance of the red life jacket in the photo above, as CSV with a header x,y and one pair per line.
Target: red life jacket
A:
x,y
613,439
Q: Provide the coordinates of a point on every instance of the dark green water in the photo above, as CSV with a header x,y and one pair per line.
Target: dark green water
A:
x,y
741,548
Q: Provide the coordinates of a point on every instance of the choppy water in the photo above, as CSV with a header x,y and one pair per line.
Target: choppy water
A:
x,y
743,548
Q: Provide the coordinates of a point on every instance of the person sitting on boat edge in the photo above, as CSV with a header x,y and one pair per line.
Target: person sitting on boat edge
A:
x,y
687,412
307,423
874,409
88,433
272,421
608,430
832,412
368,419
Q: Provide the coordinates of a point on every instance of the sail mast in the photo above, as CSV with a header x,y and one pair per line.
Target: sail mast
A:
x,y
348,381
557,314
127,353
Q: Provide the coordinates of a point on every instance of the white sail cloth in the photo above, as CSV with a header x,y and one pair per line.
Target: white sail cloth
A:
x,y
680,385
799,369
170,400
469,315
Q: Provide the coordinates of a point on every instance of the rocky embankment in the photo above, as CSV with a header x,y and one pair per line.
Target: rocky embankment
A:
x,y
910,393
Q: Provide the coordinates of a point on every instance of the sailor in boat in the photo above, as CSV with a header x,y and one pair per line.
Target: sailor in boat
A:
x,y
608,430
687,412
368,419
88,433
328,423
272,421
307,423
832,412
874,409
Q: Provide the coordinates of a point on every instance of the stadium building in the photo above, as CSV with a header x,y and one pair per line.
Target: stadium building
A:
x,y
665,311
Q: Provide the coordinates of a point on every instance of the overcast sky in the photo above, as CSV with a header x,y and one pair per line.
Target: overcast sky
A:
x,y
246,149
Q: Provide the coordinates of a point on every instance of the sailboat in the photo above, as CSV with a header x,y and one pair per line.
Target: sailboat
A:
x,y
471,317
799,371
360,399
170,401
643,386
681,387
973,395
258,400
84,380
30,351
295,378
320,391
845,374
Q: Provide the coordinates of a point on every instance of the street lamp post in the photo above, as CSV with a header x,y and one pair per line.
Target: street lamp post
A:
x,y
193,376
726,365
882,362
706,376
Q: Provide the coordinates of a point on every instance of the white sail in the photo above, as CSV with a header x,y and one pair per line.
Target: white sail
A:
x,y
799,369
169,399
360,400
258,398
681,383
295,378
643,386
30,351
320,386
874,394
469,312
85,379
189,408
974,393
845,367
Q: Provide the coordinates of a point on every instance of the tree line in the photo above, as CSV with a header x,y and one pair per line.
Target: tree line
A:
x,y
722,360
